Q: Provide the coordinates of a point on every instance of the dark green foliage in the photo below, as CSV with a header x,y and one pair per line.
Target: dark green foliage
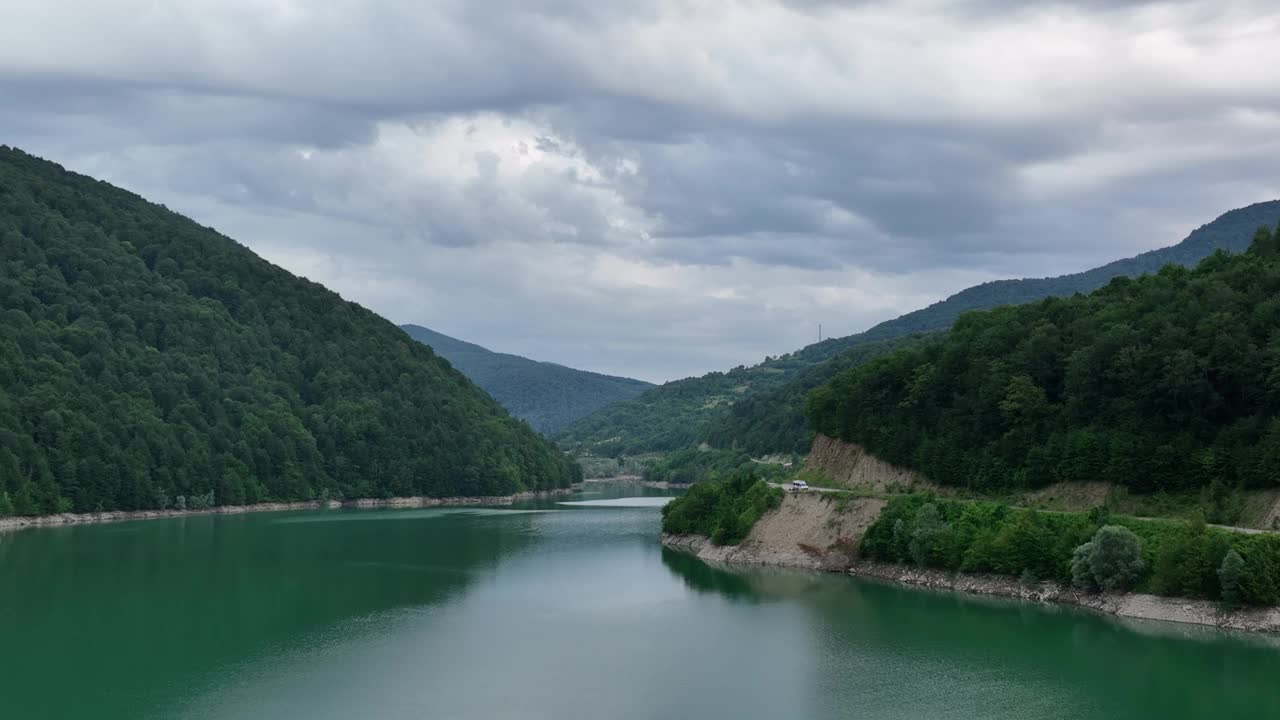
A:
x,y
724,511
1111,561
693,465
1230,573
931,539
672,416
147,361
1187,563
773,421
1157,556
1082,568
682,413
975,536
1169,382
546,395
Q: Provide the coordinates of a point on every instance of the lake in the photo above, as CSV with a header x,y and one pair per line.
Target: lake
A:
x,y
562,608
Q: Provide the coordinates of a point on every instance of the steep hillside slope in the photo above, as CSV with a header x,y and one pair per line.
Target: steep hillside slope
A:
x,y
773,421
1163,383
547,395
144,357
706,408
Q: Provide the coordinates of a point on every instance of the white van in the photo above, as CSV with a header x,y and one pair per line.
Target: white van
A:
x,y
798,485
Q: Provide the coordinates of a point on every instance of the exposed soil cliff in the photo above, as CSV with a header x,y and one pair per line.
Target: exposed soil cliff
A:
x,y
811,530
849,466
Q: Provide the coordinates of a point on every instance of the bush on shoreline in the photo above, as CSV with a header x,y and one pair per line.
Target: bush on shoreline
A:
x,y
724,511
1181,559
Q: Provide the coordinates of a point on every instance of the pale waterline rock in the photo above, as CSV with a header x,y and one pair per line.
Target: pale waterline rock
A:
x,y
20,523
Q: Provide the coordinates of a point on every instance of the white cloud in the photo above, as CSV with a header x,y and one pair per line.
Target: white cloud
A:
x,y
666,188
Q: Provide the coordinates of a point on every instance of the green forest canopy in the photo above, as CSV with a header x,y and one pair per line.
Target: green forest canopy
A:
x,y
546,395
1166,382
718,406
144,358
773,421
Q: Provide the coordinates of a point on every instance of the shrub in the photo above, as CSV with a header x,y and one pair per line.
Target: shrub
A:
x,y
1187,564
1113,558
929,539
1159,556
1229,575
1082,568
724,511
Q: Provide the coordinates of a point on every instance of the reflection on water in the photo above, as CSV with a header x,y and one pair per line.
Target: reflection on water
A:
x,y
702,577
576,612
629,502
415,514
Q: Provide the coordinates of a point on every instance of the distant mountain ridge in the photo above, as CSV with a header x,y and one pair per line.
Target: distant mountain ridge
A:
x,y
546,395
1232,231
710,408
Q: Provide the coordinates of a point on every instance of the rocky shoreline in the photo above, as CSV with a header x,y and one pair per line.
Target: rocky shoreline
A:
x,y
825,546
10,524
1129,605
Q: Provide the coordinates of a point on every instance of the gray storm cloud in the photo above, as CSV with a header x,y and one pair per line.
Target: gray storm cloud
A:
x,y
668,188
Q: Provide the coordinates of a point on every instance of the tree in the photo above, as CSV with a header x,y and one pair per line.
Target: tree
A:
x,y
929,538
1264,241
1111,561
1082,568
1167,382
1230,573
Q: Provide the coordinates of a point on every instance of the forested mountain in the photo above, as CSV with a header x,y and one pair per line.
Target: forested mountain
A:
x,y
546,395
773,421
1160,383
148,362
711,407
674,415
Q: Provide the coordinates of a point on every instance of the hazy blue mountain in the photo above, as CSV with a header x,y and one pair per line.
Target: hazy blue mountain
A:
x,y
547,395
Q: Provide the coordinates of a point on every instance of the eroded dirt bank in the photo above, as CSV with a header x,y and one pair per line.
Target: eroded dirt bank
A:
x,y
19,523
821,532
852,467
812,530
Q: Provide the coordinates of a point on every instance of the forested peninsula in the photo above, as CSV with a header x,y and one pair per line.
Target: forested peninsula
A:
x,y
147,362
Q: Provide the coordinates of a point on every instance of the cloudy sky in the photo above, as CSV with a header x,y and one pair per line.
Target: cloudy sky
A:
x,y
659,189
